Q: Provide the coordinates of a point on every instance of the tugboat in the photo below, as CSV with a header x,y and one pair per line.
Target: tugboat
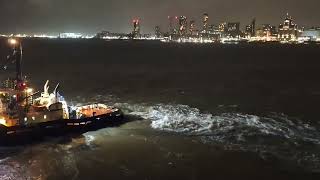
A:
x,y
24,111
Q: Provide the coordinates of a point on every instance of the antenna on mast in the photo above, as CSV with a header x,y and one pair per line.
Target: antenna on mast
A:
x,y
16,57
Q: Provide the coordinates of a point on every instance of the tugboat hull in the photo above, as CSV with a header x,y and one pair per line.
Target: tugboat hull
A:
x,y
24,134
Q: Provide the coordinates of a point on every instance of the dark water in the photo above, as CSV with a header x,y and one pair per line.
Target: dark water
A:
x,y
197,111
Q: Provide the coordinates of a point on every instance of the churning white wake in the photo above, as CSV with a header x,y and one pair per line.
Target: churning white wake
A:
x,y
226,126
274,134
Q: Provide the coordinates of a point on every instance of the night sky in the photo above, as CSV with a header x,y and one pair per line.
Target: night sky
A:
x,y
90,16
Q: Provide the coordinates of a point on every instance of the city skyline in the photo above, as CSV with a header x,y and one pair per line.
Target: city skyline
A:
x,y
36,16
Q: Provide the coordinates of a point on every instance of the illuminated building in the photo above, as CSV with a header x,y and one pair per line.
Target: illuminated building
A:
x,y
192,28
205,22
250,30
103,34
183,25
214,32
233,29
312,34
213,29
70,35
171,28
223,27
205,26
253,25
261,34
269,29
136,28
209,32
158,32
267,33
111,35
288,31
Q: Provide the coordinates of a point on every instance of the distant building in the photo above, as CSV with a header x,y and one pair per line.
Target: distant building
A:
x,y
253,25
111,35
192,28
136,28
223,27
214,32
288,31
171,26
250,30
183,25
205,21
213,29
158,32
70,35
269,30
266,33
103,34
233,29
312,34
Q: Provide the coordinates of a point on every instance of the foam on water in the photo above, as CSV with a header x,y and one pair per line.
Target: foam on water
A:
x,y
226,126
274,134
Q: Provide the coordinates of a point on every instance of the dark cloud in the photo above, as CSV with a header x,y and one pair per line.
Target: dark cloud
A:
x,y
115,15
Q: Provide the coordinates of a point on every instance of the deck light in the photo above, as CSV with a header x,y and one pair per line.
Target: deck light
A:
x,y
3,121
13,41
29,90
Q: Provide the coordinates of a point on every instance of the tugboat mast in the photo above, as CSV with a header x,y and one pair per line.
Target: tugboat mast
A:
x,y
17,57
